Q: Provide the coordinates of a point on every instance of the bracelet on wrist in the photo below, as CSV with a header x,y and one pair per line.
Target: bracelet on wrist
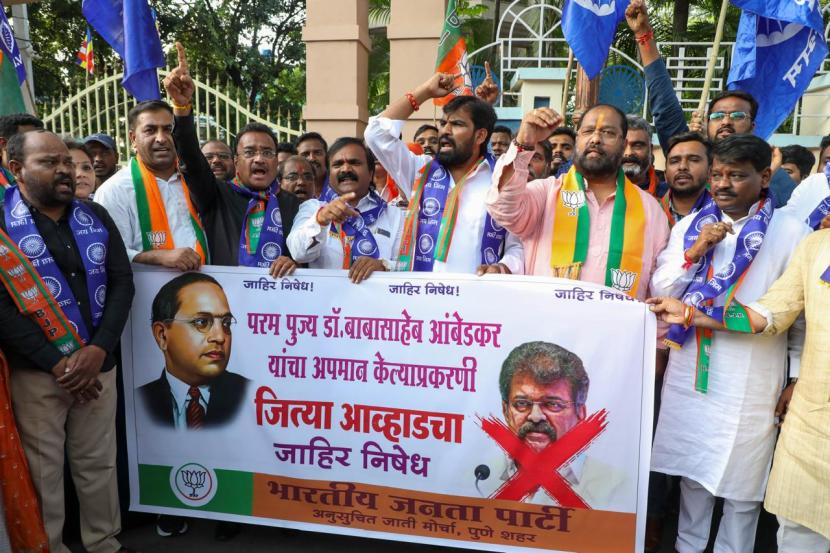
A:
x,y
187,107
645,37
412,101
524,147
688,261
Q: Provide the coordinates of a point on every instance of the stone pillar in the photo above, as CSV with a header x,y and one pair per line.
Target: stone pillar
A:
x,y
413,32
337,67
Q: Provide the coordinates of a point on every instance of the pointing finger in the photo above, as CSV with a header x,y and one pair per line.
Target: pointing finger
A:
x,y
487,70
182,56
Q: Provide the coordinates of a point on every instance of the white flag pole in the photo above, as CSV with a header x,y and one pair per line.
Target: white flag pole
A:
x,y
713,57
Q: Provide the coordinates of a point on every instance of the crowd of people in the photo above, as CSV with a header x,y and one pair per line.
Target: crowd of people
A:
x,y
725,243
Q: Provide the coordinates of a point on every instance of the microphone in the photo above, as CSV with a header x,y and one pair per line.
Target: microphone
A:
x,y
481,472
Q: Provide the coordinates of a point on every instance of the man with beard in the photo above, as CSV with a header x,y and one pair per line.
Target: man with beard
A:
x,y
427,137
350,226
592,223
638,158
104,156
10,125
730,112
541,160
447,228
544,391
60,342
716,428
562,143
220,158
149,200
296,175
313,147
248,218
688,160
500,140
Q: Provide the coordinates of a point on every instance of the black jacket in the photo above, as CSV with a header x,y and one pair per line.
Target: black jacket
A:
x,y
221,208
227,393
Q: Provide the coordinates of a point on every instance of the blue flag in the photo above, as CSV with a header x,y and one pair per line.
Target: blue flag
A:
x,y
9,46
589,27
779,47
128,26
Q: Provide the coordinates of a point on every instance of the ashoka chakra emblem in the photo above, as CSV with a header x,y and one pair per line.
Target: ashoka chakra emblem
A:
x,y
96,253
82,217
32,245
271,251
53,285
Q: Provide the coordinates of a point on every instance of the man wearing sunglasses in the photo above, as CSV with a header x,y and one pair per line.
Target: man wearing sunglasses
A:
x,y
730,112
193,328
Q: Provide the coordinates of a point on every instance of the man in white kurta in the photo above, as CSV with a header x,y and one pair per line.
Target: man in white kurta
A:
x,y
721,442
465,140
313,239
808,195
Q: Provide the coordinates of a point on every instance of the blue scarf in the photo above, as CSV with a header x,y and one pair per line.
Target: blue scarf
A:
x,y
91,238
262,239
356,229
821,211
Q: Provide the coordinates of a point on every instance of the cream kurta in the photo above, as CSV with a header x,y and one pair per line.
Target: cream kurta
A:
x,y
799,486
724,439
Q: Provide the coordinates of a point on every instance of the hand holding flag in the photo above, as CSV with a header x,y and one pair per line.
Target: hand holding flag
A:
x,y
178,84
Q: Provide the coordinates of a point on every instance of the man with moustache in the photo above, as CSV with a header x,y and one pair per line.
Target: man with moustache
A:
x,y
540,162
313,147
688,160
638,158
248,218
104,156
193,328
544,390
730,112
447,228
10,125
66,294
562,143
350,226
721,389
500,140
592,223
296,175
220,158
426,136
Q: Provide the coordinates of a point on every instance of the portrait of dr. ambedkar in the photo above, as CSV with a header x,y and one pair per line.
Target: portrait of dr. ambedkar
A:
x,y
544,391
192,325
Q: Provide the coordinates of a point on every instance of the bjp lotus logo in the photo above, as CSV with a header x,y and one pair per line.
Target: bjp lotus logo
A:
x,y
16,271
573,200
193,484
623,280
157,238
30,293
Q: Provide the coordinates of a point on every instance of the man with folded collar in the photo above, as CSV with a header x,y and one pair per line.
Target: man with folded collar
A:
x,y
350,226
248,218
67,290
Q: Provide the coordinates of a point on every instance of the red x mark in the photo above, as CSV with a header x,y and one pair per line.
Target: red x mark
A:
x,y
535,470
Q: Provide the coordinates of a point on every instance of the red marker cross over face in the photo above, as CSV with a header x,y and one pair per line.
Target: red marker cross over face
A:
x,y
541,469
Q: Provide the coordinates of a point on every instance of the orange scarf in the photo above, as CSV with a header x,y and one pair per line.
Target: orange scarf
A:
x,y
23,523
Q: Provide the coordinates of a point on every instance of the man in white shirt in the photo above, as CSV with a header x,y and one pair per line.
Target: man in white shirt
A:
x,y
810,201
350,226
448,228
716,427
172,239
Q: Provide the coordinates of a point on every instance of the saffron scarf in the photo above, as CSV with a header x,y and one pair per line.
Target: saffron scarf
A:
x,y
706,286
430,223
572,229
262,239
152,215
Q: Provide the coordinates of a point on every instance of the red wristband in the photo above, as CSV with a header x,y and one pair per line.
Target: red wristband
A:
x,y
415,105
688,260
317,216
644,38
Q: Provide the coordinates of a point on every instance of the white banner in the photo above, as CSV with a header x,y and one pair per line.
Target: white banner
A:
x,y
498,413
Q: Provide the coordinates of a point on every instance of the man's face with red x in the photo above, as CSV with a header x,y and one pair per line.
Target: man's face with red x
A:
x,y
538,413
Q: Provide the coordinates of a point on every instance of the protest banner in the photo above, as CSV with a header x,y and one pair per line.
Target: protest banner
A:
x,y
376,409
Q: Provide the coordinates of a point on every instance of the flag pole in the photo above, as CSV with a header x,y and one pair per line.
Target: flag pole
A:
x,y
567,82
713,57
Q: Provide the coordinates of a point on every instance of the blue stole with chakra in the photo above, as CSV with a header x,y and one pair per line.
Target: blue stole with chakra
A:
x,y
91,239
821,211
357,239
262,239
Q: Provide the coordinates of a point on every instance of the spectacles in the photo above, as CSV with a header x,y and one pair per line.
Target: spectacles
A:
x,y
203,323
733,115
547,405
223,157
251,153
605,134
298,176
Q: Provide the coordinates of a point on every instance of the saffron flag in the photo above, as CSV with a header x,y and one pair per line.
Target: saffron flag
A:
x,y
8,46
589,27
86,55
128,26
452,56
779,47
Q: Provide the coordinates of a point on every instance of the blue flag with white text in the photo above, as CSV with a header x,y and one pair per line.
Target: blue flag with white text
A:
x,y
589,27
128,26
9,46
779,47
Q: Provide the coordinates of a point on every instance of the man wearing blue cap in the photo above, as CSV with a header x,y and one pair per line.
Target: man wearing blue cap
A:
x,y
104,156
